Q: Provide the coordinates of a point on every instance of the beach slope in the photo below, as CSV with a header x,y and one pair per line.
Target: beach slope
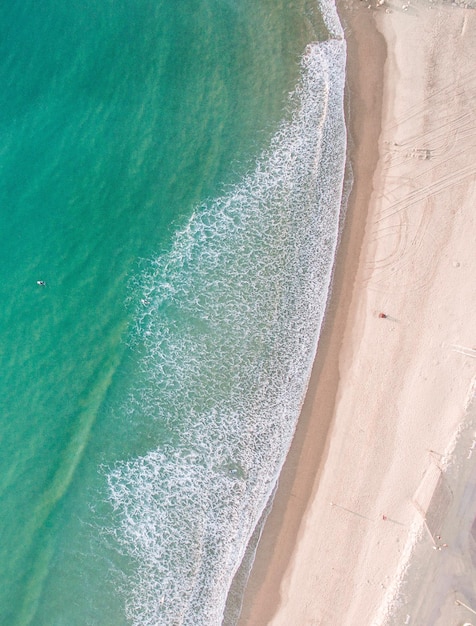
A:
x,y
375,505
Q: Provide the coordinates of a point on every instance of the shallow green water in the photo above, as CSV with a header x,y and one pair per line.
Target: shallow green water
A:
x,y
117,118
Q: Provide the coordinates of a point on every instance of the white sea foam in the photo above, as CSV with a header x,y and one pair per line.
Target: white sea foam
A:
x,y
229,323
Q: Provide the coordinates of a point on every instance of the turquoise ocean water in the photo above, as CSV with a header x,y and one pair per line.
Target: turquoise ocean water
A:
x,y
182,209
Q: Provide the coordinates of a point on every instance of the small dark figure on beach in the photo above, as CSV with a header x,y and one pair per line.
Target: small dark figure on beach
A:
x,y
383,316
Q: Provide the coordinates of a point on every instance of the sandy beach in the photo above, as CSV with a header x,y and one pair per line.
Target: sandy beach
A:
x,y
374,519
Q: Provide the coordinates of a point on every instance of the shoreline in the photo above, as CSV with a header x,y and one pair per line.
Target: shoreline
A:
x,y
309,446
329,557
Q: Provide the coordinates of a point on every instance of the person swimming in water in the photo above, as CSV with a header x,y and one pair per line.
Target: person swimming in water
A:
x,y
41,283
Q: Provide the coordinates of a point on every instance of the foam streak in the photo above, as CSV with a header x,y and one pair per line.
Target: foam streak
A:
x,y
229,334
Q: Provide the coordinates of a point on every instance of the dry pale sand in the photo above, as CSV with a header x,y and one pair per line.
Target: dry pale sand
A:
x,y
388,428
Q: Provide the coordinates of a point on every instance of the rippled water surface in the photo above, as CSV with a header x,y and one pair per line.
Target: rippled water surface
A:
x,y
182,210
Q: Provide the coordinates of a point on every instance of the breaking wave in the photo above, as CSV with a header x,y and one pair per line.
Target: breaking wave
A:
x,y
228,324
